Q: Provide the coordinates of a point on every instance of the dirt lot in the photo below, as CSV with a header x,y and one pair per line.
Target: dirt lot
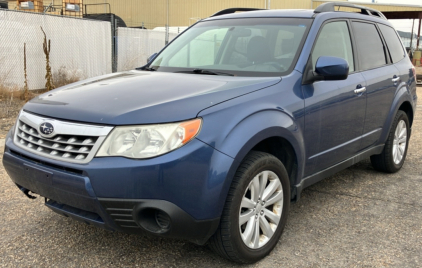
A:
x,y
357,218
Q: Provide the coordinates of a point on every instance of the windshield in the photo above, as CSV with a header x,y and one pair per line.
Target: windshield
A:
x,y
241,47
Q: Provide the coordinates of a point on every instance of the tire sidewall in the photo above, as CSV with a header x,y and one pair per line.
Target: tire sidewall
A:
x,y
274,165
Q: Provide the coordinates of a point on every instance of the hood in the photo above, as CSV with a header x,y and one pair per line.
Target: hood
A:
x,y
139,97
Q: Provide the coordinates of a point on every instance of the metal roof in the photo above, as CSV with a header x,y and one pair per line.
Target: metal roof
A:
x,y
272,13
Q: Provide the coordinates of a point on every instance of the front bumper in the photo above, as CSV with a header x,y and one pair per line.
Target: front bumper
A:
x,y
178,195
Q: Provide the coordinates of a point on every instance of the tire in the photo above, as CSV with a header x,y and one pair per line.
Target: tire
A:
x,y
386,161
228,241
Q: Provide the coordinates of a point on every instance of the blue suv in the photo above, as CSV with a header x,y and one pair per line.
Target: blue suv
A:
x,y
214,138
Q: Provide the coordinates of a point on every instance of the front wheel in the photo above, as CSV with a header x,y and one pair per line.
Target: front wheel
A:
x,y
392,157
256,210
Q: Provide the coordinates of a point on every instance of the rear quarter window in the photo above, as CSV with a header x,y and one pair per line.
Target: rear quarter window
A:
x,y
393,42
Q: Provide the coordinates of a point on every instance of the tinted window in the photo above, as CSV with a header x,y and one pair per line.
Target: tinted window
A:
x,y
369,45
334,41
394,44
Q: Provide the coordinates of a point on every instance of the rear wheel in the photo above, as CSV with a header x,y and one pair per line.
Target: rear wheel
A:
x,y
392,157
256,210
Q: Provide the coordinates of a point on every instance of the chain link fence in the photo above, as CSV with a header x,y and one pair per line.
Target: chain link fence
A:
x,y
134,46
79,48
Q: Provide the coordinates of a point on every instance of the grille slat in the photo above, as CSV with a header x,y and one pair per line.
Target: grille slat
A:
x,y
48,145
125,221
122,217
60,138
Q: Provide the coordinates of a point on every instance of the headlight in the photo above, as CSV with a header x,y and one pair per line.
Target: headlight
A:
x,y
149,140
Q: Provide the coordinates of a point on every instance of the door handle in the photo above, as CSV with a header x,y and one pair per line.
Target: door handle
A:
x,y
360,90
395,79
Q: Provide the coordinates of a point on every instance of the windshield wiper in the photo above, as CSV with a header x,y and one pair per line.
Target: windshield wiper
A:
x,y
149,69
208,72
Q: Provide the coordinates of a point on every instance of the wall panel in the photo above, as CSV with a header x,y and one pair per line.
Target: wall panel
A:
x,y
153,13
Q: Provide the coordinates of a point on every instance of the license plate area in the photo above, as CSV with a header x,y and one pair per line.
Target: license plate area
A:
x,y
38,175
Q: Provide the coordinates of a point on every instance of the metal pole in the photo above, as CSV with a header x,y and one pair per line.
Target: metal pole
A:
x,y
116,54
419,34
113,55
167,25
269,4
411,38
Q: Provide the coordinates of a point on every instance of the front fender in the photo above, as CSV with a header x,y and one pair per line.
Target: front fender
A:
x,y
235,126
236,140
239,140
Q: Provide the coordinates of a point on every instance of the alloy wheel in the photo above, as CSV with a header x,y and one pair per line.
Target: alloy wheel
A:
x,y
399,143
261,209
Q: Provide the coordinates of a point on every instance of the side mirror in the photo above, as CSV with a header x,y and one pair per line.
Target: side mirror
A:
x,y
152,57
331,68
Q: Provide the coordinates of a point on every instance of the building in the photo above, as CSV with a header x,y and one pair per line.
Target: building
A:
x,y
158,13
406,38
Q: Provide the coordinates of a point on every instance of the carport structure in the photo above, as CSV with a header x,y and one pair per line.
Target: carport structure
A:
x,y
415,15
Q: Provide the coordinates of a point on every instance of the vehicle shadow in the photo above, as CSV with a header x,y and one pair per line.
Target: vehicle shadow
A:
x,y
106,248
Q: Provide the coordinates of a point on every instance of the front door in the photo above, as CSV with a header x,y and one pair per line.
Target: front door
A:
x,y
334,110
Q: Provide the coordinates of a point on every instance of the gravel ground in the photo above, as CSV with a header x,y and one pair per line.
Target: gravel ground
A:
x,y
356,218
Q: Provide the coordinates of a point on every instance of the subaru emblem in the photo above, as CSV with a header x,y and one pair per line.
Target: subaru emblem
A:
x,y
46,129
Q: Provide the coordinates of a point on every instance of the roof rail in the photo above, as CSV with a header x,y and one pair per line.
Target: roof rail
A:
x,y
233,10
330,6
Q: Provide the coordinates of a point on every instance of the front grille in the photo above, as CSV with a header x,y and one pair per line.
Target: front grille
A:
x,y
66,210
64,146
122,217
121,212
69,142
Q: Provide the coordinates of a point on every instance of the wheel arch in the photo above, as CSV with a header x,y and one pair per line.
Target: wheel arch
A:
x,y
407,108
403,102
283,140
284,151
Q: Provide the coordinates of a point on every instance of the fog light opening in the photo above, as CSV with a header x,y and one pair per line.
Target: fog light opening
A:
x,y
154,220
162,219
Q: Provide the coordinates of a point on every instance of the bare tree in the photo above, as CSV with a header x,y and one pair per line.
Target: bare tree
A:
x,y
49,84
25,87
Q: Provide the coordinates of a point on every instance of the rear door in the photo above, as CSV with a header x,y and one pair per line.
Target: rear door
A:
x,y
397,53
381,76
334,112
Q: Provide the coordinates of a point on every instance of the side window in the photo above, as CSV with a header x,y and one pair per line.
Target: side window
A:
x,y
334,41
393,42
369,45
